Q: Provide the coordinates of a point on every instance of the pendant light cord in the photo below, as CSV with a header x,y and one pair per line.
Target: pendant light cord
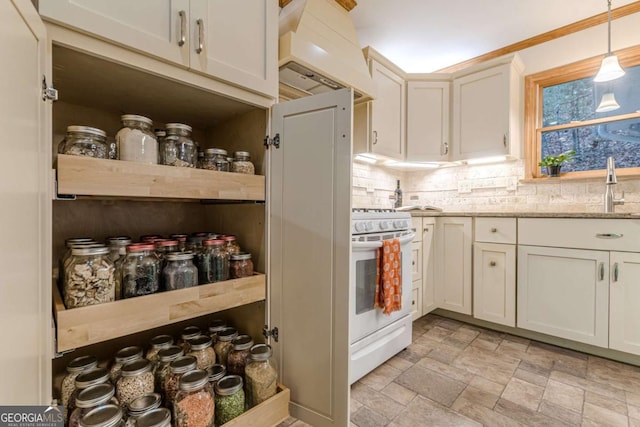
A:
x,y
609,26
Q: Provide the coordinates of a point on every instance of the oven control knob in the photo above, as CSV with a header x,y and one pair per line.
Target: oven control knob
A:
x,y
360,227
383,225
368,226
400,224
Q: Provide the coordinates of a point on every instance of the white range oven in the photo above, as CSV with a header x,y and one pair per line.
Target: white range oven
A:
x,y
376,337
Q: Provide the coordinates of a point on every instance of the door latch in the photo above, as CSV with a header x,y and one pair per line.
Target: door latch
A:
x,y
275,141
48,93
270,333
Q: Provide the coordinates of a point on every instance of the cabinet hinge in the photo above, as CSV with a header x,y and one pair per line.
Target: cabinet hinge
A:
x,y
270,333
48,93
275,141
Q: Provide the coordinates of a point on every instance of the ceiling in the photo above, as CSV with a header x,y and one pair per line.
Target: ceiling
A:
x,y
422,36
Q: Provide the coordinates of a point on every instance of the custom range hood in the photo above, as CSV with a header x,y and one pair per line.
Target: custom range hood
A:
x,y
319,49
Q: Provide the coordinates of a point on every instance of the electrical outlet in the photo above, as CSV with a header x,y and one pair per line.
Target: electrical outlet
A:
x,y
464,186
512,183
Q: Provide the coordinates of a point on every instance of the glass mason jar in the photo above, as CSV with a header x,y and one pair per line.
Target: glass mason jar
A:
x,y
141,405
150,238
165,357
75,368
225,344
140,271
64,262
216,326
231,244
182,241
86,379
215,159
136,141
124,355
240,265
194,244
85,141
188,333
163,247
202,350
136,379
117,254
160,134
194,403
180,273
178,148
229,399
89,277
260,375
219,261
157,343
216,372
200,161
160,417
90,398
237,358
103,416
178,368
242,163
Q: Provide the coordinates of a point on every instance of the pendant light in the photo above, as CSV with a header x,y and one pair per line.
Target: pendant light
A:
x,y
610,68
608,103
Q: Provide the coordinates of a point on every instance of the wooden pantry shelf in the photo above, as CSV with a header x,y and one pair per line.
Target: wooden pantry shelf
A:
x,y
82,326
269,413
85,176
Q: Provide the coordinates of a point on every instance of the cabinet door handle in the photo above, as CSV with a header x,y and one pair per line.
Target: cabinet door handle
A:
x,y
375,137
494,230
200,25
445,148
615,272
183,28
602,271
492,264
609,235
504,139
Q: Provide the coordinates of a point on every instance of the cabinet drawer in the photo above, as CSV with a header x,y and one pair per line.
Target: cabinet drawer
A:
x,y
582,233
416,227
495,230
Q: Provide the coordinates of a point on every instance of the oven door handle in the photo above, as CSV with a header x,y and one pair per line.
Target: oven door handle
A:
x,y
378,244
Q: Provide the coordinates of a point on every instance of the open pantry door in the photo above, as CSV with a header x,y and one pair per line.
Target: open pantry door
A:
x,y
25,211
309,238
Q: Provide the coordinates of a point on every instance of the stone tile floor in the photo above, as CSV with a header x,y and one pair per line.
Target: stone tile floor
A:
x,y
455,374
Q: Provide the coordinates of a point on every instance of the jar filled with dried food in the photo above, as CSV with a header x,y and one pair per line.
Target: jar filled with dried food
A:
x,y
178,148
103,416
75,368
194,403
240,265
260,375
90,398
238,356
165,357
84,380
215,159
85,141
160,417
157,343
229,399
160,134
150,237
194,244
178,368
182,241
231,245
64,262
124,355
180,273
216,326
136,141
225,344
219,261
216,372
117,254
90,277
164,247
242,163
202,350
188,333
140,271
200,162
141,405
136,379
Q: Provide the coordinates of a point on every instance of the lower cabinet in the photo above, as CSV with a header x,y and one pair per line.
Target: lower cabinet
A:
x,y
416,269
494,283
429,301
453,264
624,296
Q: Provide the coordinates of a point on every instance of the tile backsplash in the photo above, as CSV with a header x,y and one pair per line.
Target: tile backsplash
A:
x,y
483,188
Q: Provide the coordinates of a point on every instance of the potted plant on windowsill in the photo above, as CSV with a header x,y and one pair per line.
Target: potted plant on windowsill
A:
x,y
554,163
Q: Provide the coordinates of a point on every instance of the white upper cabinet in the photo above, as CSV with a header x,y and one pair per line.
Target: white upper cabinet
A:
x,y
387,112
203,35
487,112
428,121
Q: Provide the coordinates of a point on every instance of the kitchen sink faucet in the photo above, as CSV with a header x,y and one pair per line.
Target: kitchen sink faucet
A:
x,y
610,200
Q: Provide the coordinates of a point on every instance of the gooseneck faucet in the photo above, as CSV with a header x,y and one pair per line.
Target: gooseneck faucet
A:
x,y
610,200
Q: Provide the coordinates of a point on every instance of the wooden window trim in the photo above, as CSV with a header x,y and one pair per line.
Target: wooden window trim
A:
x,y
533,86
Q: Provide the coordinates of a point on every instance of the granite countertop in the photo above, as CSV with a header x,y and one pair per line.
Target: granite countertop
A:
x,y
616,215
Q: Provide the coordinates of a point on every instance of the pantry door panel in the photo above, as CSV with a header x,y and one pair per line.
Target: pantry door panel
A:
x,y
309,242
25,211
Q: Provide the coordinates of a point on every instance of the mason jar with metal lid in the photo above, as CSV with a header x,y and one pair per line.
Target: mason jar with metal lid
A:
x,y
239,354
85,141
231,244
240,265
202,350
140,271
180,272
124,355
216,372
160,417
182,241
141,405
178,148
117,254
75,368
178,367
136,140
260,375
229,399
216,326
242,163
103,416
165,357
225,344
85,380
89,277
215,159
136,380
218,260
188,333
157,343
194,403
90,398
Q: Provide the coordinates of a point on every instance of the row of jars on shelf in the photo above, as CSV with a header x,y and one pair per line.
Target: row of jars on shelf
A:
x,y
137,142
181,377
94,273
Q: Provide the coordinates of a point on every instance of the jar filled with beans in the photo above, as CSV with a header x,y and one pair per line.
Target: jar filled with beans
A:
x,y
242,163
75,368
194,403
188,333
157,343
238,356
86,379
160,417
216,326
231,245
103,416
240,265
136,380
90,398
141,405
202,350
261,375
178,367
225,344
124,355
216,372
229,399
165,357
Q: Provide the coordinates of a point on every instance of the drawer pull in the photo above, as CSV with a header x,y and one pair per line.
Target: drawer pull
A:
x,y
494,230
609,235
200,24
615,272
183,28
492,264
602,271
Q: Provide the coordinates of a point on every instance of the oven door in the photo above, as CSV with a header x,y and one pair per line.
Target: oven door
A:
x,y
364,318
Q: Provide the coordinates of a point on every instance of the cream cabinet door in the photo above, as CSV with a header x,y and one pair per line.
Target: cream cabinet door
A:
x,y
564,292
416,261
387,112
624,300
428,121
157,28
429,302
309,245
236,41
453,264
25,211
494,283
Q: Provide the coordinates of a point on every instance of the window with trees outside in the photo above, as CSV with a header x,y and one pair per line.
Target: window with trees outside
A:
x,y
561,116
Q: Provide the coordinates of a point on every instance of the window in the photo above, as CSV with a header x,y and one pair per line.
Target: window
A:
x,y
560,115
